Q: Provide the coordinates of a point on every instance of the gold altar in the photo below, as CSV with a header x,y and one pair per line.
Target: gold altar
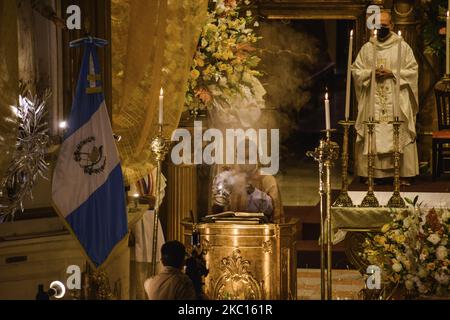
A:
x,y
351,225
251,262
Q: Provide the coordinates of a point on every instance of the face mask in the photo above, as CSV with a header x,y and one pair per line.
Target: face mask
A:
x,y
383,32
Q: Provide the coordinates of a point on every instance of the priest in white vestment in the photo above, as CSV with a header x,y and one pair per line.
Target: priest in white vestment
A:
x,y
386,78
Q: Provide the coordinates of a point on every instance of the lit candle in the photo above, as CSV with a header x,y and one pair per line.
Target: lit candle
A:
x,y
136,200
373,81
161,108
447,35
349,78
327,112
397,87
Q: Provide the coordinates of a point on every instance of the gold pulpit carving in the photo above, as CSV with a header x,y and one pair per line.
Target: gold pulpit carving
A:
x,y
236,281
248,262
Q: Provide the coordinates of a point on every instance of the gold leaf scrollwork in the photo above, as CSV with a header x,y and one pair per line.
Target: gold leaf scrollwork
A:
x,y
236,281
267,246
206,246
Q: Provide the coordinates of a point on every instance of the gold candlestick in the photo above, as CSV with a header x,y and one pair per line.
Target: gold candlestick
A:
x,y
159,146
325,155
370,200
344,200
396,201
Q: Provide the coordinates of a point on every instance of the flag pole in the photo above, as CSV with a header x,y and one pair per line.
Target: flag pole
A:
x,y
159,146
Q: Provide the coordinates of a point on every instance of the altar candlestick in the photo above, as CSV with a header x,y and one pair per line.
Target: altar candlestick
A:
x,y
397,87
447,35
161,107
349,78
327,112
373,81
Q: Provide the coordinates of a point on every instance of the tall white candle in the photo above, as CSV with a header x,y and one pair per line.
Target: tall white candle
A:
x,y
327,112
397,86
447,35
161,107
373,80
349,78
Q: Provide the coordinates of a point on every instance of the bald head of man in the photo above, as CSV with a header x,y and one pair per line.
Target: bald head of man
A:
x,y
386,26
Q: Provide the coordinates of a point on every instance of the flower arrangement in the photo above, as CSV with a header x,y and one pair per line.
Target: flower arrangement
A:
x,y
412,250
434,12
225,58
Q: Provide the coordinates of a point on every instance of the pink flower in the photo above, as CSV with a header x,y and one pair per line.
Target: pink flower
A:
x,y
230,3
204,95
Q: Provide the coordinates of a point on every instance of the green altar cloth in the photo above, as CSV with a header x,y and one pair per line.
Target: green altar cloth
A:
x,y
358,220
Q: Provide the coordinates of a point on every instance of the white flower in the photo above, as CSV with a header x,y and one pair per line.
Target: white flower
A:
x,y
397,267
441,278
409,284
247,2
423,289
223,81
407,222
422,272
446,215
248,13
220,7
441,253
423,255
434,238
256,24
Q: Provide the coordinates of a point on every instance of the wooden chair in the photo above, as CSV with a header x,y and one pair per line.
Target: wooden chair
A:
x,y
441,138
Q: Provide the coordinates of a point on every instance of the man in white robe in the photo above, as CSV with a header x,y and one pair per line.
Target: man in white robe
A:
x,y
386,78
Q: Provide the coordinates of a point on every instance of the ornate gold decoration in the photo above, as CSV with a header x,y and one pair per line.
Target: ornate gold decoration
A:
x,y
95,286
277,269
354,248
370,200
28,162
206,246
396,201
325,155
100,285
344,200
159,146
236,281
267,246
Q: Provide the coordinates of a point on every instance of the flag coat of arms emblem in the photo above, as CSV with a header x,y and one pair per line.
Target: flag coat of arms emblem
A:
x,y
87,189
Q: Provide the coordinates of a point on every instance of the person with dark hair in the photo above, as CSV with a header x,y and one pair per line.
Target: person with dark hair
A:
x,y
171,283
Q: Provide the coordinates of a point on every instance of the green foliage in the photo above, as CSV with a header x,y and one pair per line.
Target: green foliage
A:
x,y
434,16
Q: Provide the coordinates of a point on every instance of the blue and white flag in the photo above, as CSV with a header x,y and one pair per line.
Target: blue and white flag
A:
x,y
88,190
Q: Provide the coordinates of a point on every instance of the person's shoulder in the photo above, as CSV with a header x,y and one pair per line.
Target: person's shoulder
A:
x,y
367,45
406,45
183,278
148,282
151,280
268,179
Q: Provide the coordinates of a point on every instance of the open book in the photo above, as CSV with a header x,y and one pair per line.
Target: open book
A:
x,y
230,214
